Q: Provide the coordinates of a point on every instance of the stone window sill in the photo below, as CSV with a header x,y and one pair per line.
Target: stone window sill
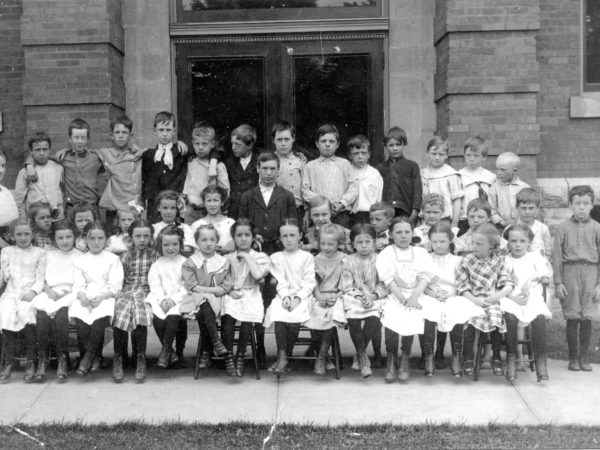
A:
x,y
585,106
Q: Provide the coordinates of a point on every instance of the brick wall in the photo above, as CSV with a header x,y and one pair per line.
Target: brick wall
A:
x,y
11,88
569,146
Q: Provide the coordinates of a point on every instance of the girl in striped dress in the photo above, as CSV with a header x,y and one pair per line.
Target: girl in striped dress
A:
x,y
483,277
132,313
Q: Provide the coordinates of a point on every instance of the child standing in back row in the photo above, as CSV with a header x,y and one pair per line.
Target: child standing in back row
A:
x,y
576,262
504,191
438,177
528,207
368,179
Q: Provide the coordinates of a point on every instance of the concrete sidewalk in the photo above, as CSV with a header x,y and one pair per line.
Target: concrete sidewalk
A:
x,y
303,398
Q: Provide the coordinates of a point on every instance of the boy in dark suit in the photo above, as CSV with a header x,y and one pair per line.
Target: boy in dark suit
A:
x,y
266,205
163,167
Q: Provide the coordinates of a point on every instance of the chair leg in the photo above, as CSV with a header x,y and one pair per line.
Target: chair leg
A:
x,y
253,348
478,345
198,354
336,353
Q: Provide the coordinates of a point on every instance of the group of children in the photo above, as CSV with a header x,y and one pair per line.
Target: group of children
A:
x,y
269,239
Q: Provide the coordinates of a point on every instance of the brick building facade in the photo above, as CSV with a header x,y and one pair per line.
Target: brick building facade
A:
x,y
510,70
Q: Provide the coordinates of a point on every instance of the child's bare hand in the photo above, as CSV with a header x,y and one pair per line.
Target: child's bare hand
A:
x,y
294,302
235,294
596,294
183,149
489,301
60,155
331,301
285,302
479,301
413,302
31,173
28,297
561,291
167,304
519,299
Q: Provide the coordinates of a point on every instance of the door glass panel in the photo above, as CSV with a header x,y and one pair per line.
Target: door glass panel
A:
x,y
331,89
205,5
227,93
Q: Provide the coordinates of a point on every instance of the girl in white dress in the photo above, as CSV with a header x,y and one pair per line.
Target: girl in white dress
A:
x,y
525,305
23,268
120,243
406,271
214,197
294,270
455,310
167,293
52,305
98,278
244,302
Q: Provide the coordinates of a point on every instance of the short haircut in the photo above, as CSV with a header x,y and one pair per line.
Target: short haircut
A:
x,y
166,195
21,221
169,230
246,134
362,228
388,209
479,204
38,137
163,117
396,133
580,191
477,143
203,131
433,199
333,230
509,157
214,190
242,222
317,201
358,141
207,226
35,209
82,208
61,225
266,157
140,223
283,125
489,231
519,227
328,128
401,219
79,124
438,142
94,225
528,195
121,120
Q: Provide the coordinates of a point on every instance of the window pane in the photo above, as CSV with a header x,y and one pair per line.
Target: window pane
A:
x,y
227,93
205,5
331,89
592,37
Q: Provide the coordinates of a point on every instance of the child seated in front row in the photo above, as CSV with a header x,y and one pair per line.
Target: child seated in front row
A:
x,y
478,213
167,293
82,215
52,305
40,215
167,205
327,309
405,270
206,277
526,304
363,293
319,211
484,278
244,302
23,268
98,278
294,270
214,199
120,243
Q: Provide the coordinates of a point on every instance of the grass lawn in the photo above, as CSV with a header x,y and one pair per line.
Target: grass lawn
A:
x,y
242,435
557,340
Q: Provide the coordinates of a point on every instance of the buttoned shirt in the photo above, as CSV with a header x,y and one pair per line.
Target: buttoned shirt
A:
x,y
81,176
197,179
291,168
47,189
576,241
331,178
124,169
503,200
369,185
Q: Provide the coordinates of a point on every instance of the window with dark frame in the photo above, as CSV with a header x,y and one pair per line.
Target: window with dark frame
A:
x,y
591,46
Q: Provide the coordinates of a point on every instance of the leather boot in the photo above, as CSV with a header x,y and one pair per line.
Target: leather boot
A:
x,y
511,367
429,366
62,372
86,363
320,368
365,365
117,372
40,374
163,357
230,364
541,368
6,372
404,369
29,370
219,348
282,362
181,359
204,360
140,368
96,364
240,360
172,359
390,368
584,363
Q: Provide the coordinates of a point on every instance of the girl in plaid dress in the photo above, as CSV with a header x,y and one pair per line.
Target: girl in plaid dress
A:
x,y
483,278
132,313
